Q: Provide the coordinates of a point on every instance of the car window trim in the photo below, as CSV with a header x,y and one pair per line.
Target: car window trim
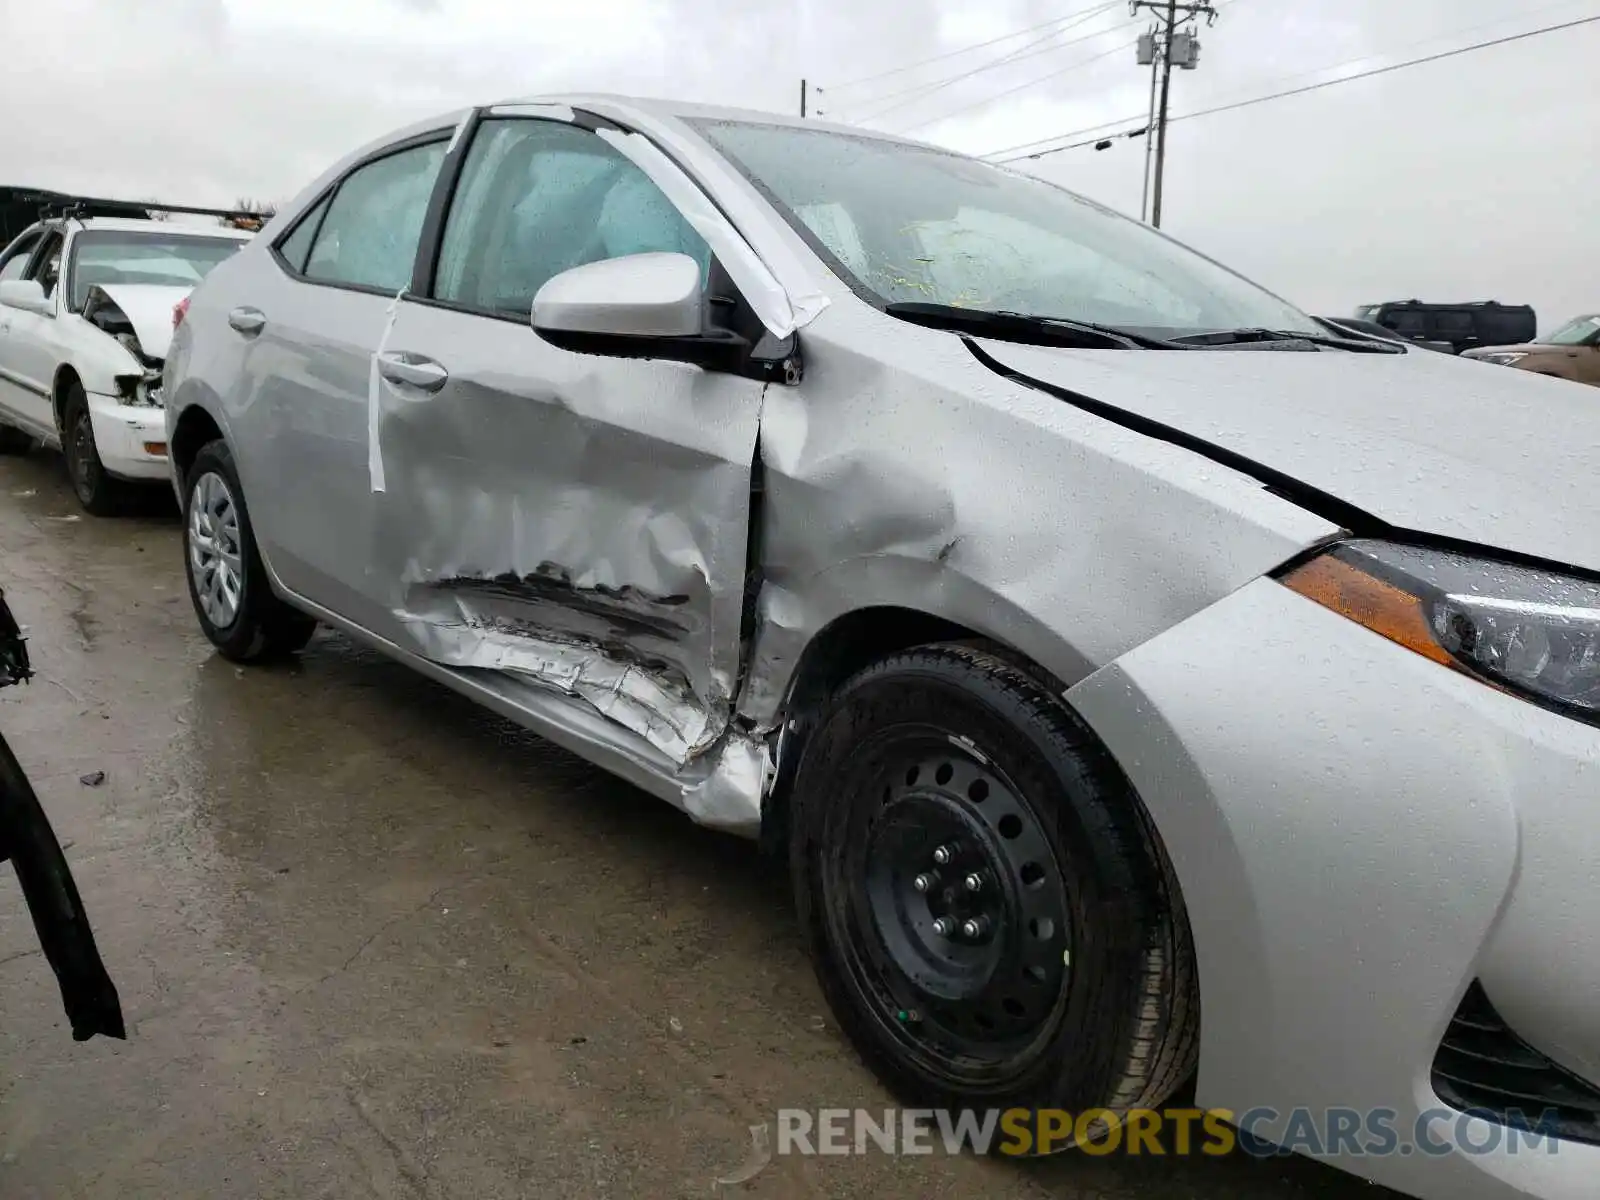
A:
x,y
330,193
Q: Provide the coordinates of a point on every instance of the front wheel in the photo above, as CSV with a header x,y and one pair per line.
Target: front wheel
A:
x,y
99,493
989,911
227,581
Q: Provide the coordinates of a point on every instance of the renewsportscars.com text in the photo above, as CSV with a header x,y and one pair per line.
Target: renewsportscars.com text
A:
x,y
1260,1132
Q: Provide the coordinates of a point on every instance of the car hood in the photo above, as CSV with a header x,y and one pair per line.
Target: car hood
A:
x,y
1421,442
1519,348
148,307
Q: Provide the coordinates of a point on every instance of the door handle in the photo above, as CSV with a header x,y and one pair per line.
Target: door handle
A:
x,y
412,370
248,321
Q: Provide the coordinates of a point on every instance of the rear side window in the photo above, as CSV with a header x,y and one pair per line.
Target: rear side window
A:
x,y
297,246
369,237
1453,325
539,197
14,261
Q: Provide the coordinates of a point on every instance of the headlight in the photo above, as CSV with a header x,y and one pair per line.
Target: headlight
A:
x,y
1502,360
141,389
1529,631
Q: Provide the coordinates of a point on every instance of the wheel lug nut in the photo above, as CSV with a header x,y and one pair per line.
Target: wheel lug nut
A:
x,y
975,927
974,882
944,926
925,882
944,854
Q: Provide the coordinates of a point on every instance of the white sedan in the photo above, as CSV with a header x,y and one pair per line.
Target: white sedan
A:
x,y
86,315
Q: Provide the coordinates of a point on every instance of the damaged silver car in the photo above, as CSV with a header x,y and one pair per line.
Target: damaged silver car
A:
x,y
1091,629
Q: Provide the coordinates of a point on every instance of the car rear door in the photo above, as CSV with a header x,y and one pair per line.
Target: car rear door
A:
x,y
1585,358
29,343
573,521
13,262
305,321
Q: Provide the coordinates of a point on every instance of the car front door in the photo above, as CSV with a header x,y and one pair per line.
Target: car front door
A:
x,y
1585,359
572,521
307,319
28,342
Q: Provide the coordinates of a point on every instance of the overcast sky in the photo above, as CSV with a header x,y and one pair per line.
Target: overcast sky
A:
x,y
1472,178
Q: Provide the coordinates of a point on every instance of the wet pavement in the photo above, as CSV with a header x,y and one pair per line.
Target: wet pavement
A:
x,y
372,941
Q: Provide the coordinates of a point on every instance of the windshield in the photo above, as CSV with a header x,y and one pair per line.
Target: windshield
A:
x,y
1575,333
171,259
909,223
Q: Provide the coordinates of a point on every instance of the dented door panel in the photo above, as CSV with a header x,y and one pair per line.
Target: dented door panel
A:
x,y
572,521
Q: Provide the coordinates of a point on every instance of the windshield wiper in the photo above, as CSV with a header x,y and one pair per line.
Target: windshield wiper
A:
x,y
1027,328
1248,336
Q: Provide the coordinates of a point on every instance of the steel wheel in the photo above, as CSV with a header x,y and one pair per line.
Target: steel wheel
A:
x,y
82,460
991,916
957,907
216,559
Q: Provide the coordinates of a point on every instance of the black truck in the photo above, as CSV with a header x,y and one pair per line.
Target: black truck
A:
x,y
1460,326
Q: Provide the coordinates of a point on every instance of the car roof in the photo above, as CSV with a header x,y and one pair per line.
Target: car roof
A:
x,y
145,225
684,110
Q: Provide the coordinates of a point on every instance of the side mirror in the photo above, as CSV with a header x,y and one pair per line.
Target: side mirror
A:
x,y
26,294
637,306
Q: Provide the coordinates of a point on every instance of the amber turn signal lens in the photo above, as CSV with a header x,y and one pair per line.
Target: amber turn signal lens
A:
x,y
1367,600
159,449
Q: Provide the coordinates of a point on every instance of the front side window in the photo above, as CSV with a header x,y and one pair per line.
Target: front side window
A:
x,y
102,257
1576,333
912,223
540,197
369,237
47,264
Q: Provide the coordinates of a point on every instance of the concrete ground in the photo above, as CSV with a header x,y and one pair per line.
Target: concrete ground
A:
x,y
371,941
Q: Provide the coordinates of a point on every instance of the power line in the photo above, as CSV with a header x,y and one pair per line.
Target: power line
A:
x,y
921,90
949,54
1024,86
1300,91
1223,4
1019,55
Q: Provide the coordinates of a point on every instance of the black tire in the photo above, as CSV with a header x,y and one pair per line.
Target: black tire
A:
x,y
98,492
15,441
260,626
955,745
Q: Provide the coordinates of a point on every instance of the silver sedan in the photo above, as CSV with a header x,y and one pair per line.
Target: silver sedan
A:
x,y
1137,675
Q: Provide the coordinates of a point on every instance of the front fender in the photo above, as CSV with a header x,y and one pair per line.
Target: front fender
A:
x,y
96,358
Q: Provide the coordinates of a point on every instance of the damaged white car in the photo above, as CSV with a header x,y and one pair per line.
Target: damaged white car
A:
x,y
86,314
1141,675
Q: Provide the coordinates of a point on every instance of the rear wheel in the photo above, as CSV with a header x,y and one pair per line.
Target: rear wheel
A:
x,y
97,491
228,584
989,911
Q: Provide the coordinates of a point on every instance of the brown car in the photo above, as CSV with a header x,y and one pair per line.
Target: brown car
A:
x,y
1571,352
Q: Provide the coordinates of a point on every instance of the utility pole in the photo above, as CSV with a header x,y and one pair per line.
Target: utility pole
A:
x,y
802,98
1149,125
1174,44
